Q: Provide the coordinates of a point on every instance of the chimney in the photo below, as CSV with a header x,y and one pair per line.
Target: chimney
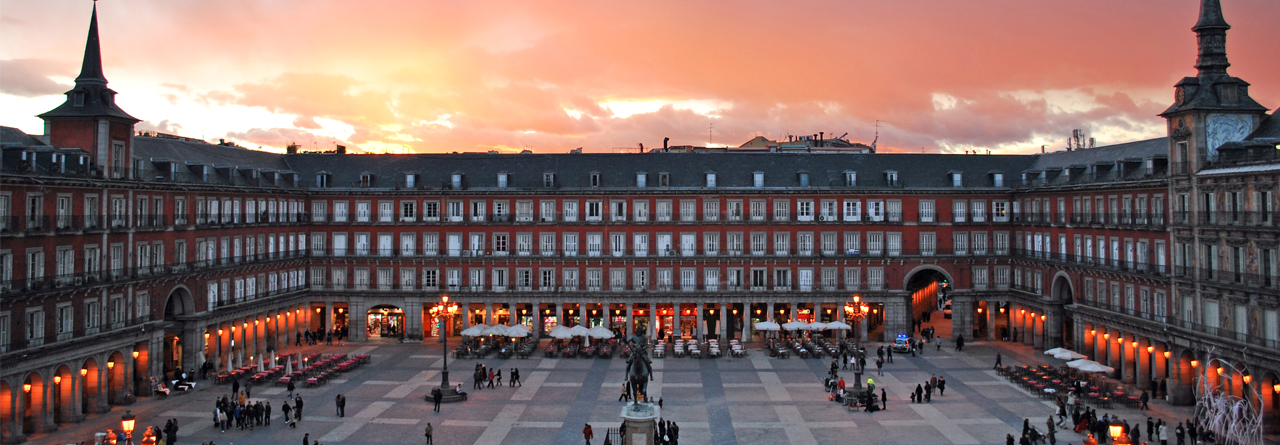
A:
x,y
821,136
292,149
342,149
664,143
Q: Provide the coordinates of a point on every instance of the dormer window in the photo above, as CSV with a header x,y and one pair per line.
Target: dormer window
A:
x,y
322,181
641,179
891,177
455,180
595,179
956,179
757,179
366,179
548,179
502,180
1227,93
804,179
850,178
77,99
410,180
664,179
711,180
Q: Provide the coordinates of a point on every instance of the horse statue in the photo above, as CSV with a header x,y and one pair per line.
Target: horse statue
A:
x,y
639,372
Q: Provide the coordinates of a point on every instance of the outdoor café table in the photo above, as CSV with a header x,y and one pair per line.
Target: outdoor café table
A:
x,y
1048,393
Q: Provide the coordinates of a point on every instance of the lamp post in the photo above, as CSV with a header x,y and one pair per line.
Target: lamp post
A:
x,y
856,310
446,310
126,424
1116,431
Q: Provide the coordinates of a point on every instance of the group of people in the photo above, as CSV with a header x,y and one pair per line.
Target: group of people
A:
x,y
924,392
493,377
315,337
154,434
241,413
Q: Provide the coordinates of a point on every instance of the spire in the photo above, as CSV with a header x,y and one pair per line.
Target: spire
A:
x,y
91,69
1211,34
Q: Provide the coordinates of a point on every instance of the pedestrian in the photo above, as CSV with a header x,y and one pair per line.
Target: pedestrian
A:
x,y
1151,428
960,342
1163,434
266,413
515,377
436,395
832,373
998,364
938,341
477,380
298,340
1180,434
306,439
490,384
659,402
248,389
1144,398
879,367
235,387
889,354
341,403
844,361
919,393
942,385
429,442
288,413
290,387
884,399
297,409
499,377
587,433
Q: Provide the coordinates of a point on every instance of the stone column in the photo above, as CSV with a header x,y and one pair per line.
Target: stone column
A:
x,y
722,330
12,427
328,316
356,321
701,330
488,314
675,320
413,318
1161,366
629,311
992,308
653,319
746,322
795,310
1145,361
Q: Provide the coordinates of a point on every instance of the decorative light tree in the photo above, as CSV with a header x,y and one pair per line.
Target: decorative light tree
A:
x,y
1231,418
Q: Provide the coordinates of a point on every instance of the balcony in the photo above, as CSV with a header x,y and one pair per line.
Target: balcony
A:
x,y
58,340
1142,268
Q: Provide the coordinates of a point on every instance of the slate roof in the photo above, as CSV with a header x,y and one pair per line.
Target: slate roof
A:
x,y
733,170
10,136
1137,150
183,151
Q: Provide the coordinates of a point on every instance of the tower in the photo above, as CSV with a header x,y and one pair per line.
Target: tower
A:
x,y
1211,108
90,119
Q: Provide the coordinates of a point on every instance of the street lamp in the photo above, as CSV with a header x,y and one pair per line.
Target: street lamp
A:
x,y
1116,430
445,310
126,424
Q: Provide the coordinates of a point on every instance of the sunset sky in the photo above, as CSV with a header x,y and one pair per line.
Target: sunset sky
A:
x,y
452,75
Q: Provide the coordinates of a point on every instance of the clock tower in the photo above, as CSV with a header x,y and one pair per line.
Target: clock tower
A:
x,y
1211,108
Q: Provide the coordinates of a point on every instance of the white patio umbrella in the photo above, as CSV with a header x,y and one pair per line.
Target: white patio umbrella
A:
x,y
260,363
1096,367
796,326
1068,355
474,331
1054,351
288,367
579,331
1078,363
767,326
600,332
561,334
838,325
496,330
518,331
818,326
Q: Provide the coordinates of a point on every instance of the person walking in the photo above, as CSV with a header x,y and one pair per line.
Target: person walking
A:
x,y
235,387
266,413
297,409
1144,398
625,396
998,364
515,377
306,439
290,387
499,377
884,400
1163,434
490,384
436,395
429,430
889,355
960,343
938,341
942,385
477,380
919,393
1180,434
288,413
879,367
341,403
844,361
587,433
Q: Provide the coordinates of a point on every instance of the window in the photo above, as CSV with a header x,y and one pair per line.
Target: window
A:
x,y
711,210
711,180
641,179
852,210
926,211
928,243
960,243
641,209
594,210
664,210
408,211
804,179
502,179
757,210
875,278
781,210
595,179
548,179
570,210
894,241
757,179
852,278
548,210
688,210
758,243
875,210
804,244
362,211
958,210
894,210
455,180
711,243
733,210
664,179
804,210
618,210
956,179
850,178
891,178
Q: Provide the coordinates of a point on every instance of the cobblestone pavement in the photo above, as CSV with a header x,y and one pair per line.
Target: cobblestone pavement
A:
x,y
756,400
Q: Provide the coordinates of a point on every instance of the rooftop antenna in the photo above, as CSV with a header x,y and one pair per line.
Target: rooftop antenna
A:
x,y
877,139
710,126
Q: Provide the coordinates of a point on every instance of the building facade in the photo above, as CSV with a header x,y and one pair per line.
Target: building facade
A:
x,y
127,256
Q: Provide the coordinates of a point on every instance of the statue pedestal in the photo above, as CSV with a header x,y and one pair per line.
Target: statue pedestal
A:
x,y
641,420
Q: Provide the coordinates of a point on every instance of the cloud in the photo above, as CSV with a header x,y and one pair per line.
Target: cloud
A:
x,y
33,77
163,126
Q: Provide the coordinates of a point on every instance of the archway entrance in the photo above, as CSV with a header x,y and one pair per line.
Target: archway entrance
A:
x,y
33,406
928,286
178,305
385,321
90,386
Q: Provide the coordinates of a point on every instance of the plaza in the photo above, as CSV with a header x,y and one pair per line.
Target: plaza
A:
x,y
751,400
